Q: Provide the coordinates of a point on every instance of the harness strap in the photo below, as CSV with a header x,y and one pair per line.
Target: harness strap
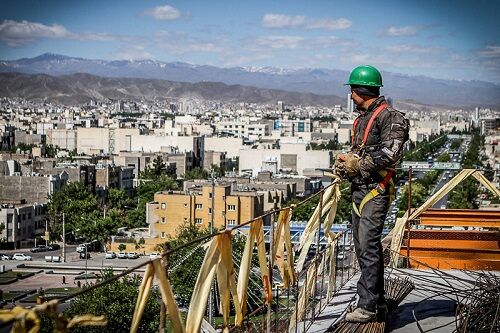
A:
x,y
368,128
386,174
387,181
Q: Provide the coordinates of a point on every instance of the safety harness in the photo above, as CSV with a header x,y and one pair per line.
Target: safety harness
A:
x,y
385,174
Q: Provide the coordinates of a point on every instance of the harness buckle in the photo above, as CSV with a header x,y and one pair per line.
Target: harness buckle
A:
x,y
380,188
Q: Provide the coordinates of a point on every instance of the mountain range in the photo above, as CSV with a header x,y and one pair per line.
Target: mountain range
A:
x,y
81,88
318,81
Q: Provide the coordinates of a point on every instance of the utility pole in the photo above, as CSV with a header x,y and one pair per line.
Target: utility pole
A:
x,y
211,298
86,270
64,241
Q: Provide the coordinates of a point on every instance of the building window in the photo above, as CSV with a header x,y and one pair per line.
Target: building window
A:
x,y
210,195
199,206
210,211
163,234
163,205
231,222
185,219
185,205
231,207
198,221
163,220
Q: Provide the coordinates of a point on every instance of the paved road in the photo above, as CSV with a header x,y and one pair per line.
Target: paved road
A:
x,y
72,259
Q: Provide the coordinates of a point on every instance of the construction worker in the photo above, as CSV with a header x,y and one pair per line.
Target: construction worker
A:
x,y
378,136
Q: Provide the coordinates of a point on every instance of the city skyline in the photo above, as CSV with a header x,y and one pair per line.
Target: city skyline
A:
x,y
449,40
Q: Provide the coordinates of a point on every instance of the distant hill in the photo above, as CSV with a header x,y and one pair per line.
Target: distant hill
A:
x,y
318,81
81,88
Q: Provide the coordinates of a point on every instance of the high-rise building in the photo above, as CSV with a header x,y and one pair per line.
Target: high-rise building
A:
x,y
350,103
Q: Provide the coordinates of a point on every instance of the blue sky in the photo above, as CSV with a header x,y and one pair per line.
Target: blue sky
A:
x,y
441,39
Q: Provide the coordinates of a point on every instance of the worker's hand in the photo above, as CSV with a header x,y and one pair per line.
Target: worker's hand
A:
x,y
339,167
351,164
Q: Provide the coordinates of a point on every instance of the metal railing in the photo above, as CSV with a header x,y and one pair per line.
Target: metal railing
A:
x,y
293,309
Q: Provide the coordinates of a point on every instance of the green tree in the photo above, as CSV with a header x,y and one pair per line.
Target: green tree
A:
x,y
145,193
455,144
23,147
157,169
122,247
220,171
196,173
445,157
77,203
418,196
118,199
116,300
51,151
305,210
186,263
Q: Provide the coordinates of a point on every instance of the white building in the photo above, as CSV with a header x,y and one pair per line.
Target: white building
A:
x,y
293,158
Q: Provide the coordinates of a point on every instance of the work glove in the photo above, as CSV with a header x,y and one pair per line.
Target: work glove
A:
x,y
339,168
351,164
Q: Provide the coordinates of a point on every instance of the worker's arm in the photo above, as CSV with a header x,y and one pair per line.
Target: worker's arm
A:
x,y
394,129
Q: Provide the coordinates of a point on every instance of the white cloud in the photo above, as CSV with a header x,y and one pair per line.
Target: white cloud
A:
x,y
490,51
406,31
303,22
132,52
163,13
15,33
332,41
179,48
411,49
282,21
18,33
279,42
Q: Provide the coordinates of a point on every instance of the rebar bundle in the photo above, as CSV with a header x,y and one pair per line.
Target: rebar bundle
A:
x,y
396,289
480,311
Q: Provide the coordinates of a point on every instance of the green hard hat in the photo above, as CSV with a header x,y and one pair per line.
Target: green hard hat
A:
x,y
365,75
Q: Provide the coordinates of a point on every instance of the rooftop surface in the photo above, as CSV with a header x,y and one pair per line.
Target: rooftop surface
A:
x,y
432,305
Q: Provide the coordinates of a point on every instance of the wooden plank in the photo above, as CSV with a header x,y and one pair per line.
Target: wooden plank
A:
x,y
454,234
461,217
453,244
453,253
424,262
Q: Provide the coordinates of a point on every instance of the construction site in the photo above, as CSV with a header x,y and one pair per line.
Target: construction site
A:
x,y
441,275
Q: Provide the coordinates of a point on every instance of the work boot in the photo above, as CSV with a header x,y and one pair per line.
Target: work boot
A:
x,y
382,311
360,315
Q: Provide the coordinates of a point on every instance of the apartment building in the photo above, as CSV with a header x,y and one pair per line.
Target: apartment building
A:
x,y
242,129
22,223
289,158
32,189
63,138
120,177
174,208
97,140
291,127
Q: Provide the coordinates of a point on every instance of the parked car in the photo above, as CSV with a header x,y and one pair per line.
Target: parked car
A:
x,y
20,256
4,256
154,255
84,255
132,255
40,248
81,248
53,247
122,255
110,255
